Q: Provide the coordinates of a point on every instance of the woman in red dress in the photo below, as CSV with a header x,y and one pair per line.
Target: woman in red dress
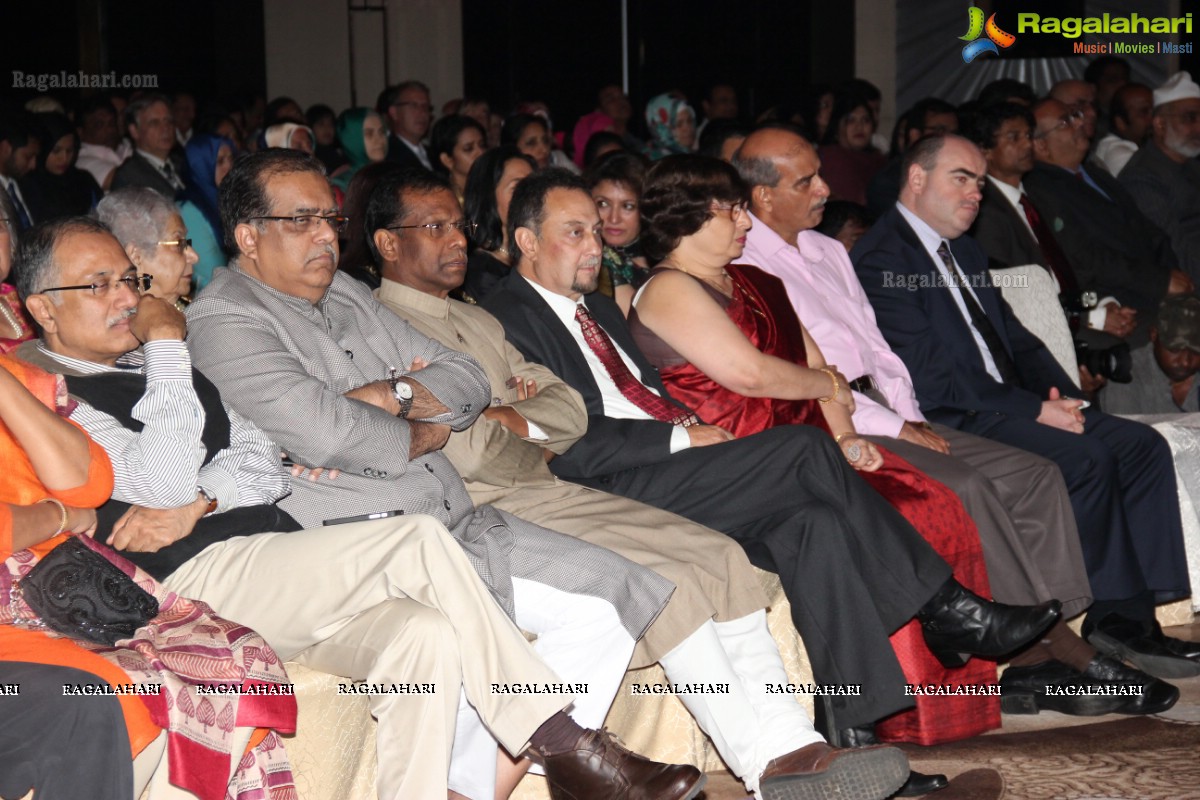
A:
x,y
728,345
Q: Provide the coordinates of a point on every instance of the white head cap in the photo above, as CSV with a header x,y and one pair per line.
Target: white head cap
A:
x,y
1179,86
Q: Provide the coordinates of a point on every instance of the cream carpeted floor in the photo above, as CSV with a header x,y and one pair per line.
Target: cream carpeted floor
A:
x,y
1052,756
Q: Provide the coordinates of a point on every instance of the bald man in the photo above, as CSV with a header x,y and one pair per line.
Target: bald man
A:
x,y
1017,499
1080,98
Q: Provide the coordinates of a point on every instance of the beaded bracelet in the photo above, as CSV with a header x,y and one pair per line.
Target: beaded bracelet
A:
x,y
62,524
837,385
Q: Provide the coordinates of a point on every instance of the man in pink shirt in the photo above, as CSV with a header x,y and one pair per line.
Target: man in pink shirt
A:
x,y
1018,500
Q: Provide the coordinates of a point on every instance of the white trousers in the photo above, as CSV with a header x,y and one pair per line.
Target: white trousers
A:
x,y
749,726
582,639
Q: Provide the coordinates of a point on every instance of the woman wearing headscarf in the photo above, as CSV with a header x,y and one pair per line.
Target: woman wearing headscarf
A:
x,y
291,135
209,158
362,135
589,125
57,188
672,125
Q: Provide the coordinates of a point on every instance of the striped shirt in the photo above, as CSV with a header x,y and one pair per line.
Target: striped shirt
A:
x,y
162,466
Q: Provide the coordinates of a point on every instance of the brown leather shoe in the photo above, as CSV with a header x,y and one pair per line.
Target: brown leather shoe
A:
x,y
820,772
601,768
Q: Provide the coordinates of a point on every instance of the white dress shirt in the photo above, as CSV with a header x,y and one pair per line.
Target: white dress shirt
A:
x,y
616,405
931,240
1095,317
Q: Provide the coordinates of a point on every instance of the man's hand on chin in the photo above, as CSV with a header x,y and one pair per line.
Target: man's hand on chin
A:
x,y
1062,413
148,530
157,319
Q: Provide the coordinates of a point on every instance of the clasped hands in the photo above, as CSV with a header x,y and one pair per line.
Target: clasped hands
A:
x,y
1064,413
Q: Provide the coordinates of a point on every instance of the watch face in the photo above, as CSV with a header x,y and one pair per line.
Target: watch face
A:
x,y
403,391
1089,299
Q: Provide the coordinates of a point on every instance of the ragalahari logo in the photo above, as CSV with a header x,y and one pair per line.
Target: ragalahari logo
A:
x,y
975,28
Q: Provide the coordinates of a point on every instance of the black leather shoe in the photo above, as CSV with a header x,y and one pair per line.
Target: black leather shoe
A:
x,y
1054,686
1145,646
958,623
1157,696
1180,647
918,783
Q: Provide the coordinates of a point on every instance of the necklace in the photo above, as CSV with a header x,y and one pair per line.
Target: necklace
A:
x,y
725,286
11,320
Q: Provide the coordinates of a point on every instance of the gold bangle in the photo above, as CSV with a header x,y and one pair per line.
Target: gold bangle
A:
x,y
840,436
62,524
837,385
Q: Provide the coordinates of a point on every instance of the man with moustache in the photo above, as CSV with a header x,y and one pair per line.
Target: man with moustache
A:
x,y
1017,499
714,628
851,567
1113,248
977,369
1164,177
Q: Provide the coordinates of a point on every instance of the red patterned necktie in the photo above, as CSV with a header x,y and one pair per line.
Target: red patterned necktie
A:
x,y
1056,259
634,391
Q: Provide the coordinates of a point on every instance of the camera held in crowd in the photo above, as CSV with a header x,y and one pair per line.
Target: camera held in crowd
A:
x,y
1113,363
1076,305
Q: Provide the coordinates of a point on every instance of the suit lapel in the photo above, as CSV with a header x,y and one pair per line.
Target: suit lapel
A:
x,y
558,337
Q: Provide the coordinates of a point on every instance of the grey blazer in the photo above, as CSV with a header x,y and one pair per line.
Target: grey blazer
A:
x,y
286,364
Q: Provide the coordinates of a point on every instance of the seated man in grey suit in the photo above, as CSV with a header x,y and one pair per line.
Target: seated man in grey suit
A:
x,y
382,601
1017,499
286,337
852,568
151,127
714,629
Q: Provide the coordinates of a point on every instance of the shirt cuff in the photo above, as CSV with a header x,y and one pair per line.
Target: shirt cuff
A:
x,y
680,440
1098,314
535,432
221,484
167,360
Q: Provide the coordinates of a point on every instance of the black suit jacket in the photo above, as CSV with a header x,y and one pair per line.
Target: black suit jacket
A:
x,y
401,153
1112,247
1003,234
926,329
610,445
137,171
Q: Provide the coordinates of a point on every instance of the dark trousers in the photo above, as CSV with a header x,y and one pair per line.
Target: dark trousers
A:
x,y
64,747
1121,480
852,568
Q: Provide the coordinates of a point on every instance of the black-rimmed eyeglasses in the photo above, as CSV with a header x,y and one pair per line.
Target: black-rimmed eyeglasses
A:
x,y
133,283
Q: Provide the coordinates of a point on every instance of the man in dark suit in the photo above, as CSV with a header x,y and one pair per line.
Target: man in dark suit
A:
x,y
1113,248
852,568
1013,232
149,123
408,113
977,369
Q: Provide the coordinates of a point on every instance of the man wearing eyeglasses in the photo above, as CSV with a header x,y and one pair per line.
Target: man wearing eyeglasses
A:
x,y
1164,176
409,114
1114,250
339,382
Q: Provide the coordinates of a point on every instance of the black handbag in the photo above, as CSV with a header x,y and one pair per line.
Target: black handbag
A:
x,y
77,592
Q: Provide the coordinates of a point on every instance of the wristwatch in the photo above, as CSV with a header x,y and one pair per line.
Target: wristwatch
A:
x,y
210,497
403,393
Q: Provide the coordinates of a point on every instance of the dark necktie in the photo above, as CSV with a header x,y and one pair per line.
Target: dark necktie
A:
x,y
1056,259
19,207
634,391
1004,362
172,177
